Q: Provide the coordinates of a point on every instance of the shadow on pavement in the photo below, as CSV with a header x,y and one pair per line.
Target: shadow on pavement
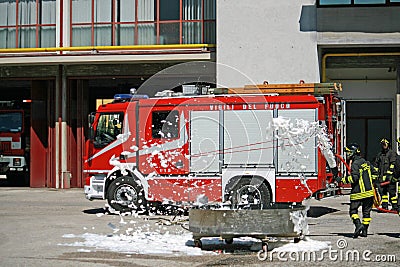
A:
x,y
393,235
349,235
95,211
318,211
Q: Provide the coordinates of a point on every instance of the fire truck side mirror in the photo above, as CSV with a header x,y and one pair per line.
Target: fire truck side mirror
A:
x,y
91,119
91,130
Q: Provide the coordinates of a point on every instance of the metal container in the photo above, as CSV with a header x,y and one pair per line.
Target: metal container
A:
x,y
260,224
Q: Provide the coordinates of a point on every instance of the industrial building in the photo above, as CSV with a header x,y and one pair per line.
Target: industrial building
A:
x,y
64,57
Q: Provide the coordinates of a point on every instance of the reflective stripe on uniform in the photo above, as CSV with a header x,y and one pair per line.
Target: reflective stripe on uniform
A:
x,y
361,181
363,192
355,216
357,196
366,220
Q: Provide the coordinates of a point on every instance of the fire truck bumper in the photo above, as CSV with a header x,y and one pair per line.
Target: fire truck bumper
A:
x,y
95,190
12,164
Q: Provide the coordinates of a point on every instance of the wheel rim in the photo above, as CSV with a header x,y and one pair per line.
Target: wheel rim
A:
x,y
249,195
125,195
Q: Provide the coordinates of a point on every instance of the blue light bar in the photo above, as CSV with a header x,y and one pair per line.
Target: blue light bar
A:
x,y
128,97
121,97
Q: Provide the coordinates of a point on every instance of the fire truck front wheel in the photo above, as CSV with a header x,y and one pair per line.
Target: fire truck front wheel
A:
x,y
125,194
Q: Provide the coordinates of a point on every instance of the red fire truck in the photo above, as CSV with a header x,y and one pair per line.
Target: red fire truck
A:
x,y
213,148
13,162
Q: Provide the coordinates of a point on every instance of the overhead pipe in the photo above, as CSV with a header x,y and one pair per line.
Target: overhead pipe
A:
x,y
107,48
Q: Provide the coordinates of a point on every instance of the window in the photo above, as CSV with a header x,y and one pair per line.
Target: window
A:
x,y
361,2
32,23
334,2
142,22
11,122
27,23
109,126
165,124
169,9
356,2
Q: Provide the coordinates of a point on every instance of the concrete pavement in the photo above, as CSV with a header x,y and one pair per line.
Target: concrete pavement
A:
x,y
35,222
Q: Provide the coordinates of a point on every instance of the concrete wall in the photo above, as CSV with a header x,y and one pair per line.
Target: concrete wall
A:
x,y
261,40
278,41
358,25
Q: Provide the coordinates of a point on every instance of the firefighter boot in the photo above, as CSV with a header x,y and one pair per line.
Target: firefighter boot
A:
x,y
359,227
395,206
385,202
364,231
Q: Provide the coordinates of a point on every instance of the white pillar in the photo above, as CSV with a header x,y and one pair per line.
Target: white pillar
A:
x,y
61,132
57,129
62,23
397,119
65,179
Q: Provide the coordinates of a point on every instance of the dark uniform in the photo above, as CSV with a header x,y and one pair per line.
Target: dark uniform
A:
x,y
385,163
362,191
397,172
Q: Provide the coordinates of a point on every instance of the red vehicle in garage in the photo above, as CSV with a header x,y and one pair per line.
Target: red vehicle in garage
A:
x,y
13,145
210,148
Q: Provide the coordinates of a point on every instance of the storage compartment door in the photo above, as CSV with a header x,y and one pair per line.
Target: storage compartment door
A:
x,y
295,154
248,139
204,141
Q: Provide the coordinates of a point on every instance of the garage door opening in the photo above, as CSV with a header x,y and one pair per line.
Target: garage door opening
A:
x,y
15,123
367,123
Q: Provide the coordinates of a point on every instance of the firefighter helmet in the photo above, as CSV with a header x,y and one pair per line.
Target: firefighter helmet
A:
x,y
385,141
352,149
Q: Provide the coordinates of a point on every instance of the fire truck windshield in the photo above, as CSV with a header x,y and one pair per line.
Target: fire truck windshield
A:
x,y
11,122
109,126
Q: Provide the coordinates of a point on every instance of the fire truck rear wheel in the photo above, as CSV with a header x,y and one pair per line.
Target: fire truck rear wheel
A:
x,y
125,194
250,195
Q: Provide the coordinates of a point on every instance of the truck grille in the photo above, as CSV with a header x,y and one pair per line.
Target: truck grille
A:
x,y
5,147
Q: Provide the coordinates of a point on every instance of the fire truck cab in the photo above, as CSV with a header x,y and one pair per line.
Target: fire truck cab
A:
x,y
13,162
211,148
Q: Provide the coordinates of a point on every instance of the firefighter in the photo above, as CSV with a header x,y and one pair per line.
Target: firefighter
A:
x,y
397,172
385,163
362,192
